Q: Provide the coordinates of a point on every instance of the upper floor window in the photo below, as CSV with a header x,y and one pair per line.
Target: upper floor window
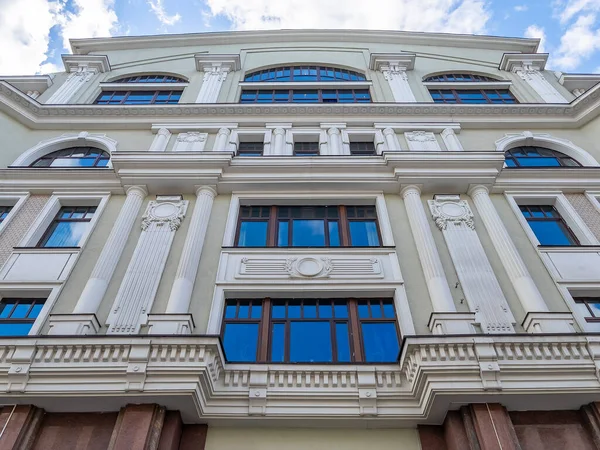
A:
x,y
366,148
4,212
548,225
250,149
306,149
68,227
311,330
158,97
306,96
530,156
592,305
459,78
304,73
150,79
308,226
17,315
473,96
74,157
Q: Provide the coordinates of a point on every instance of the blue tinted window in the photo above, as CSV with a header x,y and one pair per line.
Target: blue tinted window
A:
x,y
304,73
334,234
278,343
472,96
283,234
18,315
551,233
69,226
306,96
364,234
138,97
74,157
308,233
343,342
150,79
253,234
310,342
380,341
15,329
240,341
538,157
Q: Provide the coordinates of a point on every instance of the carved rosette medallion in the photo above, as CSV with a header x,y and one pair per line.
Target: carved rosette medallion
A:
x,y
451,210
308,267
164,213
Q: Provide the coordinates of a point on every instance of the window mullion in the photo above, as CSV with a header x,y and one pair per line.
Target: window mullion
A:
x,y
264,332
272,228
344,226
354,328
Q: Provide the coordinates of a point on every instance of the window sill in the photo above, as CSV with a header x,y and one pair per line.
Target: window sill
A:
x,y
46,249
569,248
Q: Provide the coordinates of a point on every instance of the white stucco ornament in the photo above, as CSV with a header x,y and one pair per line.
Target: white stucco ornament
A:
x,y
164,213
309,267
455,211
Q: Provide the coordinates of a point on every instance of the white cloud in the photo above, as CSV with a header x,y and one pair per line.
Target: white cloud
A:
x,y
454,16
579,42
521,8
24,33
568,9
92,18
159,11
533,31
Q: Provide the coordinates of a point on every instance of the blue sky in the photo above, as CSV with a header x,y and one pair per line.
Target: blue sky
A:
x,y
33,43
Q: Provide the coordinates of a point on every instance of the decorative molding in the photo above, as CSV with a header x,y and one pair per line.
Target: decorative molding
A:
x,y
411,391
527,138
215,68
32,85
192,141
422,141
90,63
394,67
138,289
578,84
229,63
451,140
81,69
477,278
161,140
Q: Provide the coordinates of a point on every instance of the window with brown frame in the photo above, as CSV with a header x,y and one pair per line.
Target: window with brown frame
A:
x,y
17,315
593,306
548,225
311,330
68,226
250,149
362,148
306,149
308,226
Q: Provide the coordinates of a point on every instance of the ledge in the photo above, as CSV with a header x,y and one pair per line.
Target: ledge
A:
x,y
190,374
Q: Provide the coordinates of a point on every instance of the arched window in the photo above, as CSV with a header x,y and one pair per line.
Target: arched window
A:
x,y
304,73
530,156
74,157
459,78
150,79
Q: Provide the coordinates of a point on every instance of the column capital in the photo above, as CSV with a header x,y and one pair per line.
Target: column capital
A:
x,y
513,62
86,63
163,132
206,62
140,191
388,131
477,190
410,189
392,61
206,190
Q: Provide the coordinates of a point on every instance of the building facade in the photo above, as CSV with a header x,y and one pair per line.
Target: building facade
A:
x,y
300,239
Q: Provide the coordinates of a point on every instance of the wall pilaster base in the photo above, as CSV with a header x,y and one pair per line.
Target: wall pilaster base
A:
x,y
170,324
81,324
549,322
452,323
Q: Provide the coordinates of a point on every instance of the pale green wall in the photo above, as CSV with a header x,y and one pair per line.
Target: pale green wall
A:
x,y
313,439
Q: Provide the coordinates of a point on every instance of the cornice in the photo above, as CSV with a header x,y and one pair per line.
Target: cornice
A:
x,y
98,63
403,38
564,179
46,181
29,83
206,61
512,61
378,61
579,81
36,115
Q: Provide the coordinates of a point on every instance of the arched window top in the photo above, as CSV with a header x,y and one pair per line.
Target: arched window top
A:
x,y
74,157
534,156
460,78
150,78
304,73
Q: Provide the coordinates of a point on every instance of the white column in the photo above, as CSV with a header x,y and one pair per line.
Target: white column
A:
x,y
477,278
334,141
72,84
222,140
576,92
278,143
451,140
536,80
138,289
398,80
391,140
33,94
526,290
437,284
214,76
161,140
181,293
83,320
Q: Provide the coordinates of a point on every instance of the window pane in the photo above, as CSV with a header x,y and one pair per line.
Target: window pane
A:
x,y
294,311
363,309
388,310
343,342
310,311
283,234
310,342
66,234
256,312
364,234
376,310
595,307
551,233
15,329
253,234
334,234
538,162
341,310
278,311
308,233
20,312
325,311
230,311
278,342
243,311
380,341
6,310
239,341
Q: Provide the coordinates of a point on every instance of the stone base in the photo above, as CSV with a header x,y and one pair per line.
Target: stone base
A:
x,y
65,324
170,324
452,323
549,322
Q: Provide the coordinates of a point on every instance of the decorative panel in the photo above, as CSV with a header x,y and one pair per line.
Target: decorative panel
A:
x,y
39,265
576,265
422,141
